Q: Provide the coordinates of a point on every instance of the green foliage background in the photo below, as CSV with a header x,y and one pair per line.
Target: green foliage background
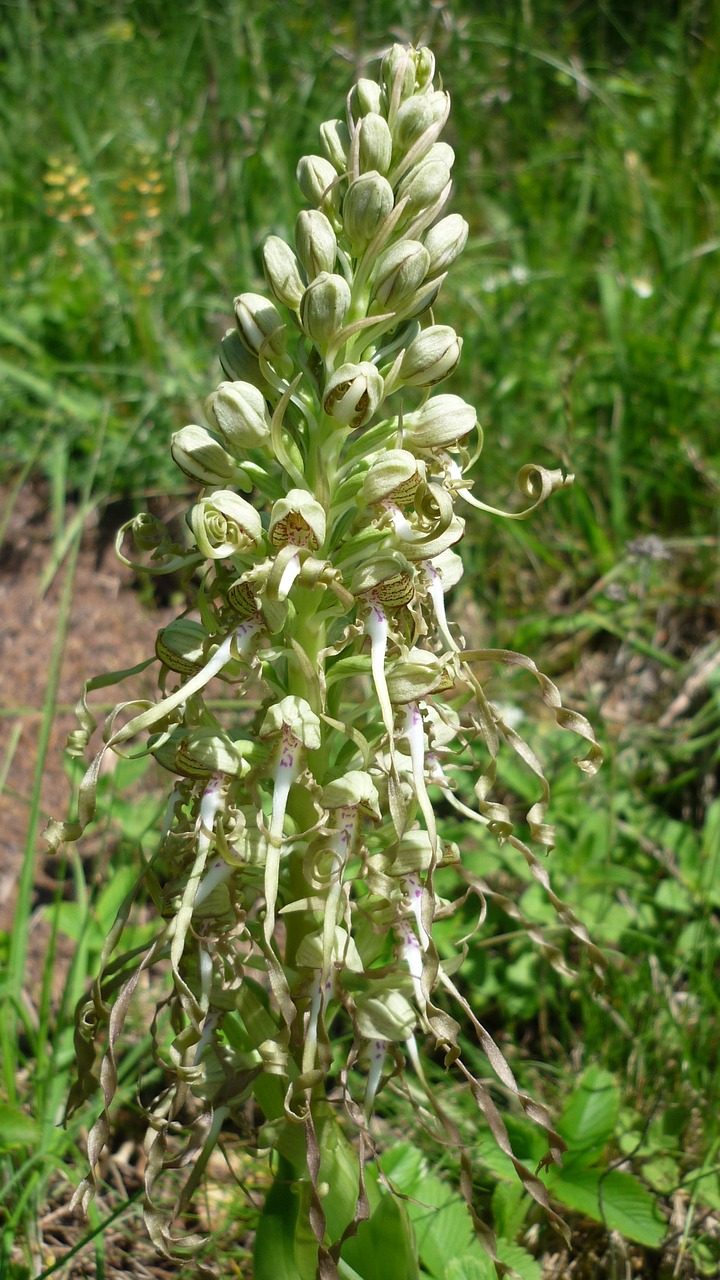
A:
x,y
146,152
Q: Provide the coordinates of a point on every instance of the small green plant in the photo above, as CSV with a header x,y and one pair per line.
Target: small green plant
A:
x,y
295,881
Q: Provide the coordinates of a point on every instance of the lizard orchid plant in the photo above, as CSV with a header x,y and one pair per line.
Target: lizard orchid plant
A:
x,y
294,880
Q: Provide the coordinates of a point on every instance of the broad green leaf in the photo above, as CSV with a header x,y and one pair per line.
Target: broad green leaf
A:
x,y
710,864
72,919
519,1259
588,1119
17,1129
616,1199
110,900
662,1173
274,1254
698,936
535,904
384,1246
469,1267
487,1152
706,1188
607,920
137,818
404,1165
527,1139
442,1223
672,896
510,1203
706,1254
339,1169
441,1219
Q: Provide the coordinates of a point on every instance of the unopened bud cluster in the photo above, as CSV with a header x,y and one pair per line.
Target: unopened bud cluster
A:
x,y
295,874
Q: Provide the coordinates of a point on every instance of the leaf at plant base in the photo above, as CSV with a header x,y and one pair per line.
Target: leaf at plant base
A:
x,y
339,1169
16,1128
616,1199
469,1267
588,1118
384,1246
274,1251
519,1259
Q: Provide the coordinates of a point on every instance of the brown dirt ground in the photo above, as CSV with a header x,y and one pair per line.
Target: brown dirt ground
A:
x,y
109,629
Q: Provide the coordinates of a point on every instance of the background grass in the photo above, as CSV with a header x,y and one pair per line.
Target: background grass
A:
x,y
145,154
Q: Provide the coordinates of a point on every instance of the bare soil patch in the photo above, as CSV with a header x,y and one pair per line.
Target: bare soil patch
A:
x,y
110,628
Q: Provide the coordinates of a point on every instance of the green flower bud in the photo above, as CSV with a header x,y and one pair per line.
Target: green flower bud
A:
x,y
441,151
440,423
335,143
355,788
318,182
424,59
324,306
423,298
281,272
310,953
316,242
368,201
297,715
400,270
398,72
179,646
147,531
353,394
366,98
420,115
205,751
224,525
239,364
445,242
201,457
239,412
393,477
385,1015
260,325
374,143
298,519
417,675
423,185
432,356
